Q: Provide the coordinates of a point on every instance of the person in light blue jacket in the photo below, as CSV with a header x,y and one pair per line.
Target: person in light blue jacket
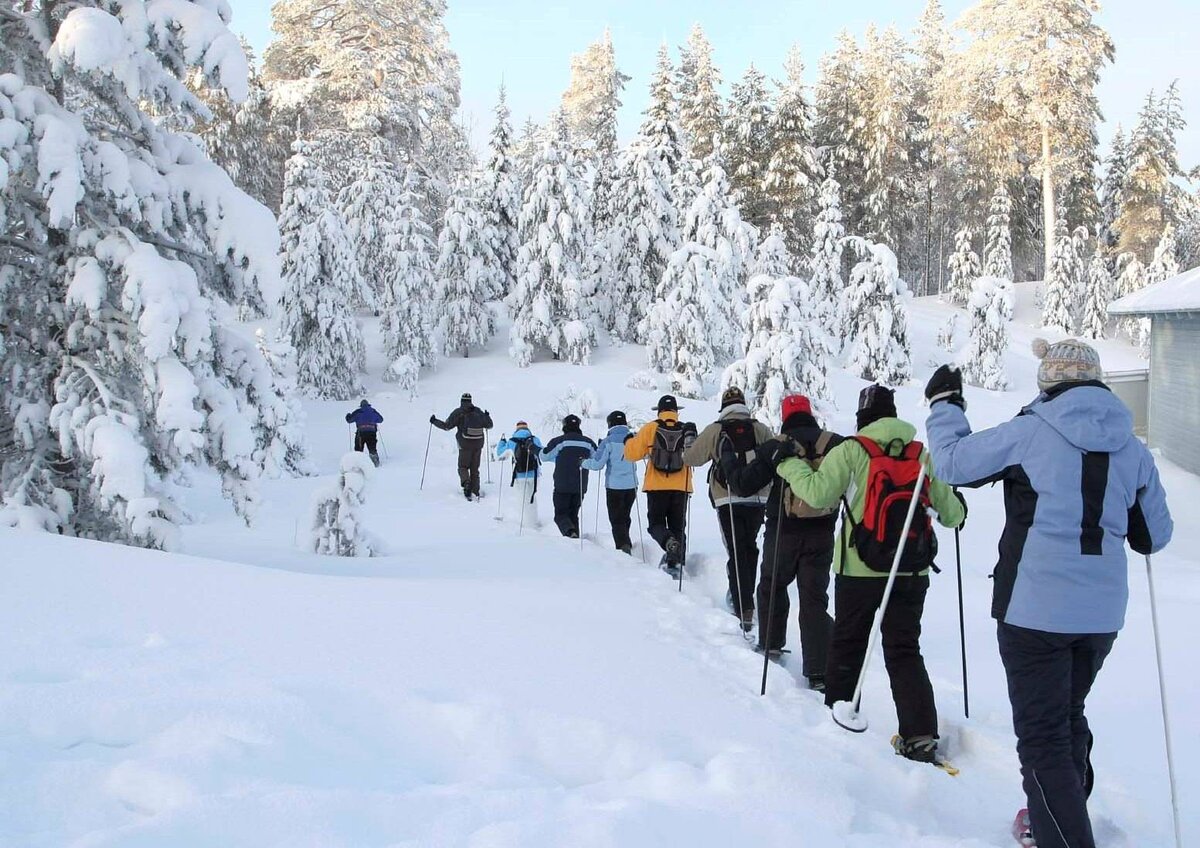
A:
x,y
1077,486
620,478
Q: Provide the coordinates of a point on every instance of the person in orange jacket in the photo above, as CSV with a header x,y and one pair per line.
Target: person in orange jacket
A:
x,y
668,483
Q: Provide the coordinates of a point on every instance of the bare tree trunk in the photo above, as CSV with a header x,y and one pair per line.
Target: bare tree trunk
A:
x,y
1049,208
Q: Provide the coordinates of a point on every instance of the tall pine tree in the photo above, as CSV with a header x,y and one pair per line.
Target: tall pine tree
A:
x,y
501,196
792,177
465,274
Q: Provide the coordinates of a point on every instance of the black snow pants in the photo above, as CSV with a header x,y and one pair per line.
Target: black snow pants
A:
x,y
805,555
566,512
855,601
620,506
740,526
666,517
470,453
1049,678
367,439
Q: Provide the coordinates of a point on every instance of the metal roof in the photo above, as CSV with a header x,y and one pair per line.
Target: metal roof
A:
x,y
1177,294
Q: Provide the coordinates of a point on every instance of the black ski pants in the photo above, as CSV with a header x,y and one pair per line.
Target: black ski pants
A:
x,y
366,439
566,511
740,526
666,517
804,555
855,601
1049,678
470,453
620,506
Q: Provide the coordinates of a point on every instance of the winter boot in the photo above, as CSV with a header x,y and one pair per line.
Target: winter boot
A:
x,y
1021,830
572,534
816,682
626,549
747,620
467,493
375,459
921,749
674,549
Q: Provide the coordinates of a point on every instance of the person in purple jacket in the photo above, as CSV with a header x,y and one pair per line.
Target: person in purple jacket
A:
x,y
366,423
1078,485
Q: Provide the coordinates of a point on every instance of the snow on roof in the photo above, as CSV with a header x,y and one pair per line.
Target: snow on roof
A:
x,y
1178,294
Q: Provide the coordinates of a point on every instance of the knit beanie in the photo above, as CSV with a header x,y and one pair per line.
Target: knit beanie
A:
x,y
875,402
571,423
1070,361
732,395
796,403
616,418
521,425
465,399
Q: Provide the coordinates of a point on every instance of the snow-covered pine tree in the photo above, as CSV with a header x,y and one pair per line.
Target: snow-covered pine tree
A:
x,y
526,151
407,255
888,180
367,208
465,275
747,142
1112,187
123,249
336,519
698,89
772,257
281,446
839,119
828,288
660,129
1149,184
320,283
687,329
792,177
1061,287
1094,320
877,317
991,310
501,197
1164,265
593,98
997,255
932,177
963,267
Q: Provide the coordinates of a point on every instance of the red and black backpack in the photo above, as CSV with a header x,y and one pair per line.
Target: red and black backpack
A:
x,y
890,488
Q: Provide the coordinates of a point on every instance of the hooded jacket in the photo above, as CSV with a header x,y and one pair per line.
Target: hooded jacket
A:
x,y
619,473
638,448
707,448
844,473
568,452
1077,484
365,419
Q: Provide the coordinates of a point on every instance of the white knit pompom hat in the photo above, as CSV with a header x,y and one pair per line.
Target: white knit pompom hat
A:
x,y
1070,361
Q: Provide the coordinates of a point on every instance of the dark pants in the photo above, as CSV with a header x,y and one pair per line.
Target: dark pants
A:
x,y
666,517
855,601
620,505
470,453
366,439
566,511
740,526
1049,677
806,558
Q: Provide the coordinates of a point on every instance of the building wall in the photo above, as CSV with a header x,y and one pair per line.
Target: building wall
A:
x,y
1175,389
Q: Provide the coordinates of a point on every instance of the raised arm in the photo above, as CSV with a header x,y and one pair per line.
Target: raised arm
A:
x,y
963,458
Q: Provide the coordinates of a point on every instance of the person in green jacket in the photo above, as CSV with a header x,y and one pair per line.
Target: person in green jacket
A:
x,y
858,589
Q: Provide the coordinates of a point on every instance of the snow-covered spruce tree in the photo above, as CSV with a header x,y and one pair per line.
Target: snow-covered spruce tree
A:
x,y
1145,208
465,275
934,179
838,122
408,253
320,283
792,176
997,255
123,250
501,196
593,98
747,142
698,86
963,267
877,317
1058,303
367,207
336,518
888,188
552,302
660,129
991,310
1164,265
828,288
1112,187
1132,278
772,257
1094,320
281,446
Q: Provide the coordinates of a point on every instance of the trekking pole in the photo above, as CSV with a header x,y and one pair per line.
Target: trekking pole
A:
x,y
845,713
524,503
637,505
765,640
582,495
599,489
383,444
500,495
1162,695
962,623
687,529
425,461
487,445
737,573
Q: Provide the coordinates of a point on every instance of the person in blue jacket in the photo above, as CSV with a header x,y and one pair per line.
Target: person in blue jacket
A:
x,y
1077,486
568,453
620,479
525,448
366,423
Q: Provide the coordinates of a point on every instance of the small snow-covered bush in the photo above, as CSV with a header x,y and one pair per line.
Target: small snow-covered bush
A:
x,y
647,381
947,338
336,520
584,403
404,372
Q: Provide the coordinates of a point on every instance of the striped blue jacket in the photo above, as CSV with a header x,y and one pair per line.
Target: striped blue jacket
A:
x,y
568,452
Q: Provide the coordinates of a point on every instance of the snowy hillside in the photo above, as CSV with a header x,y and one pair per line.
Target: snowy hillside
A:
x,y
477,687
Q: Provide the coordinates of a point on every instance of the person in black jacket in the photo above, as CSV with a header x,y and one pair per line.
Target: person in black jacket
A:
x,y
568,452
471,424
799,539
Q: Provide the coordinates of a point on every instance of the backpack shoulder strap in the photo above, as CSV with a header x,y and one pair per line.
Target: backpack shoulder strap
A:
x,y
821,446
913,450
870,446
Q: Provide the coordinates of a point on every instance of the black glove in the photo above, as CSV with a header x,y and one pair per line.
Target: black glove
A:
x,y
689,434
946,384
628,436
432,419
962,501
776,451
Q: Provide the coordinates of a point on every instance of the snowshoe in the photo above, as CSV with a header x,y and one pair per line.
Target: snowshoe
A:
x,y
1021,831
671,568
674,549
467,494
775,655
922,749
375,459
626,549
572,534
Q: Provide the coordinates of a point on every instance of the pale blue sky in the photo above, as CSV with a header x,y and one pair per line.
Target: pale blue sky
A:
x,y
529,43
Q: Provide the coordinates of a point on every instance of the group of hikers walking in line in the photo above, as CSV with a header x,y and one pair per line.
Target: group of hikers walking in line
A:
x,y
1077,486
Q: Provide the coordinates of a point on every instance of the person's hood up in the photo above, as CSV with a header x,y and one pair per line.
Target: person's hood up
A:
x,y
523,433
1090,417
887,430
735,411
618,432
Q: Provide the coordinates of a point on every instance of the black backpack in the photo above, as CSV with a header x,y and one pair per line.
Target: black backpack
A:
x,y
667,453
525,459
739,432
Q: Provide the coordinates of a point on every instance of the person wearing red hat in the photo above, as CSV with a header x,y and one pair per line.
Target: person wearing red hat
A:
x,y
799,539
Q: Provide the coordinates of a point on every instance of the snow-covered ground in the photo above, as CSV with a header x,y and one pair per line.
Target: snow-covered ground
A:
x,y
477,687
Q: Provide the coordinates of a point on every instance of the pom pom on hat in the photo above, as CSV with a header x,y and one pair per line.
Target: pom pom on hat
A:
x,y
1040,348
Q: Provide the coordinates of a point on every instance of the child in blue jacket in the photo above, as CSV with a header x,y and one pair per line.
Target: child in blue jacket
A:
x,y
525,448
620,478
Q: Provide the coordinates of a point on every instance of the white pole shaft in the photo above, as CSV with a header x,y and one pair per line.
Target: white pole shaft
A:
x,y
877,624
1162,695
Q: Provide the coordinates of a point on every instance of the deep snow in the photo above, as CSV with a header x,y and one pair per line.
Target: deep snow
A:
x,y
477,687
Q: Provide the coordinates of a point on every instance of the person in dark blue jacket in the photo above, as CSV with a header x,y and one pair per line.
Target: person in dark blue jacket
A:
x,y
366,423
1077,486
620,479
568,453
